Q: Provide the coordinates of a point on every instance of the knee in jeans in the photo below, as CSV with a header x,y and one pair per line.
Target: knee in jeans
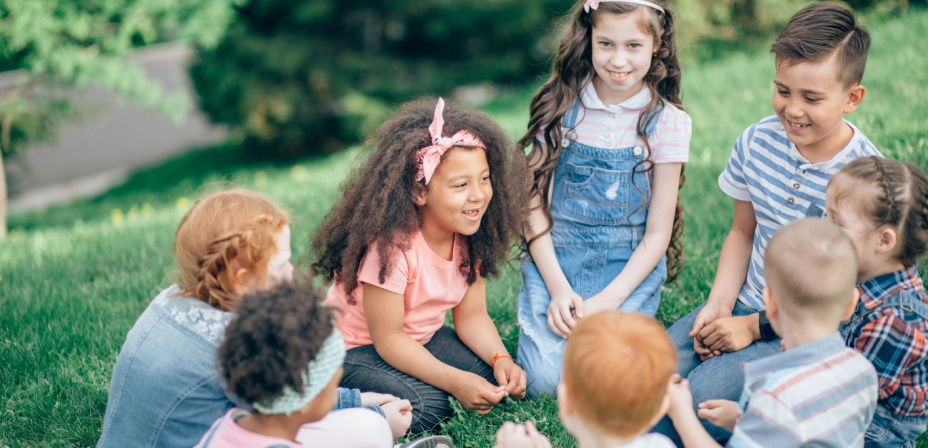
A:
x,y
542,382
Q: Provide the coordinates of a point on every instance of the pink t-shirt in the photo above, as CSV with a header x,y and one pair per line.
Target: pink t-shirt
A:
x,y
429,284
225,433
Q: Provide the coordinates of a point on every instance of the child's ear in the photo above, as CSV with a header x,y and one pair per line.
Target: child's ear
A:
x,y
420,194
851,307
854,97
888,239
564,401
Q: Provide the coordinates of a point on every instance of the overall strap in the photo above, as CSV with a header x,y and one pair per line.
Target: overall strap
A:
x,y
652,118
570,118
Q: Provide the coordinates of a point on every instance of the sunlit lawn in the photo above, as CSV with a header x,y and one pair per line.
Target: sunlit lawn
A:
x,y
73,279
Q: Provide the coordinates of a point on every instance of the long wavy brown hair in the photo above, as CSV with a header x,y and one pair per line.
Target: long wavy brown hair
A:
x,y
377,205
572,68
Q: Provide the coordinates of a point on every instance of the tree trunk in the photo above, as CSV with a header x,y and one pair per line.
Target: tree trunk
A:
x,y
2,199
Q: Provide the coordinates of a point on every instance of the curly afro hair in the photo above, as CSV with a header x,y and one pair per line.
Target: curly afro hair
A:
x,y
271,340
377,206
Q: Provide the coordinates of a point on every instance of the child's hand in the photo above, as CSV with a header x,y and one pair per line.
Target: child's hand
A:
x,y
476,393
399,416
726,334
376,399
708,314
514,435
681,399
562,312
721,413
510,376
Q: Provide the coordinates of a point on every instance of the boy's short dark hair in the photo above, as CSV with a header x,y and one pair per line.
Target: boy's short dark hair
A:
x,y
271,340
820,29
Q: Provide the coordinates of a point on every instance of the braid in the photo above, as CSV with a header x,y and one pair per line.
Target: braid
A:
x,y
899,200
915,220
889,194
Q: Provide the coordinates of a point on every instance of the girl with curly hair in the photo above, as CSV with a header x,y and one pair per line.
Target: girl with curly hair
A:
x,y
165,390
608,140
287,370
422,223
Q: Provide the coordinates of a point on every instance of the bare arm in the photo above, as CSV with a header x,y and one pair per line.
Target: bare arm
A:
x,y
478,332
729,278
409,356
653,246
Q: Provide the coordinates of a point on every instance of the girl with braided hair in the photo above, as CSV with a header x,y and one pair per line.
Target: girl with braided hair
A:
x,y
608,140
165,389
883,207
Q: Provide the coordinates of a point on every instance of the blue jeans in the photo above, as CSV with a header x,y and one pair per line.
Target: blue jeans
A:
x,y
891,431
720,377
366,370
541,352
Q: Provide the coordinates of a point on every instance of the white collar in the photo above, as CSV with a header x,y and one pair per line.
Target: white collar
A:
x,y
590,99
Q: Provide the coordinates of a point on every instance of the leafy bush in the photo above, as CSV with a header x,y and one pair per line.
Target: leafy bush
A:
x,y
294,78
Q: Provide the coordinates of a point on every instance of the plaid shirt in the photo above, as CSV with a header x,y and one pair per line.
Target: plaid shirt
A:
x,y
889,328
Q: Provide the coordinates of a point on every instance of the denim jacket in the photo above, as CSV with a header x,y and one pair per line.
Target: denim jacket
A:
x,y
166,389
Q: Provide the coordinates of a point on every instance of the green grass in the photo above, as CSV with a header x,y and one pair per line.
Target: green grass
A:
x,y
74,278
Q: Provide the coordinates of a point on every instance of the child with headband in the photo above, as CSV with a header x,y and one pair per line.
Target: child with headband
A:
x,y
282,356
609,139
421,224
165,389
883,206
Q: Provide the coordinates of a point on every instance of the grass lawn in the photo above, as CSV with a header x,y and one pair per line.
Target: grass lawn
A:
x,y
74,278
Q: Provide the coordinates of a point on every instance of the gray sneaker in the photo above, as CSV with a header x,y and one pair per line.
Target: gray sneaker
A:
x,y
429,442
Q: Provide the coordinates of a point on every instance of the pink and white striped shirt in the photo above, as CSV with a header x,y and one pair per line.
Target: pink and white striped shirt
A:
x,y
614,126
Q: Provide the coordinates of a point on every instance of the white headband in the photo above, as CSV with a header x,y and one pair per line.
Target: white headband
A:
x,y
593,4
316,377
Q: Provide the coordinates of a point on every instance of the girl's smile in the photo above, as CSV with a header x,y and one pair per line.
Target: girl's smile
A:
x,y
457,196
621,56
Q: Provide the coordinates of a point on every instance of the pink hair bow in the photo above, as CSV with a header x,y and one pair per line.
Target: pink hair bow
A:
x,y
594,4
428,158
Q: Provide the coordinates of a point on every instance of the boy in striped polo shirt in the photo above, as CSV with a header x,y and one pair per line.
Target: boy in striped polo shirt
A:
x,y
777,173
817,392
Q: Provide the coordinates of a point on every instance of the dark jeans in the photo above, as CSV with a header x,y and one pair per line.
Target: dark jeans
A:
x,y
366,370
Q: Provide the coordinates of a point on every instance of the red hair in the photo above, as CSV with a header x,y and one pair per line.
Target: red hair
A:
x,y
224,232
616,370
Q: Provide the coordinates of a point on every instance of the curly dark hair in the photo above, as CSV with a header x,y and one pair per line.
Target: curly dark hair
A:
x,y
377,205
572,69
271,340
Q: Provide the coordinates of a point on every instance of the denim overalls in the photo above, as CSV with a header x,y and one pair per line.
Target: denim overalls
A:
x,y
888,429
599,210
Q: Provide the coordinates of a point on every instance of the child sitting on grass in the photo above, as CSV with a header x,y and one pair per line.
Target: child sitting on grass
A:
x,y
817,391
883,206
617,368
283,357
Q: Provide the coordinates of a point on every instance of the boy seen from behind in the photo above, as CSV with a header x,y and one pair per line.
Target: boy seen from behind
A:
x,y
617,368
817,392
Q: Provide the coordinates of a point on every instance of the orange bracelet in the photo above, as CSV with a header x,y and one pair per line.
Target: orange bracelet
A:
x,y
498,356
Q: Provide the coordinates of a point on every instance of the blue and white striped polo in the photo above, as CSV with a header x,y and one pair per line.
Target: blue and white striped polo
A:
x,y
766,169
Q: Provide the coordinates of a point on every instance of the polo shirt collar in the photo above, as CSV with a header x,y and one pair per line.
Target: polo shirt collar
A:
x,y
841,157
590,99
802,355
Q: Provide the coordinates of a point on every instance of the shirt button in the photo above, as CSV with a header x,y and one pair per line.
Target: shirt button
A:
x,y
607,134
637,151
611,114
796,185
790,200
565,143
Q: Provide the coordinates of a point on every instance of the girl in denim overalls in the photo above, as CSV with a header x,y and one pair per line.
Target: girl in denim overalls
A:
x,y
883,207
608,140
